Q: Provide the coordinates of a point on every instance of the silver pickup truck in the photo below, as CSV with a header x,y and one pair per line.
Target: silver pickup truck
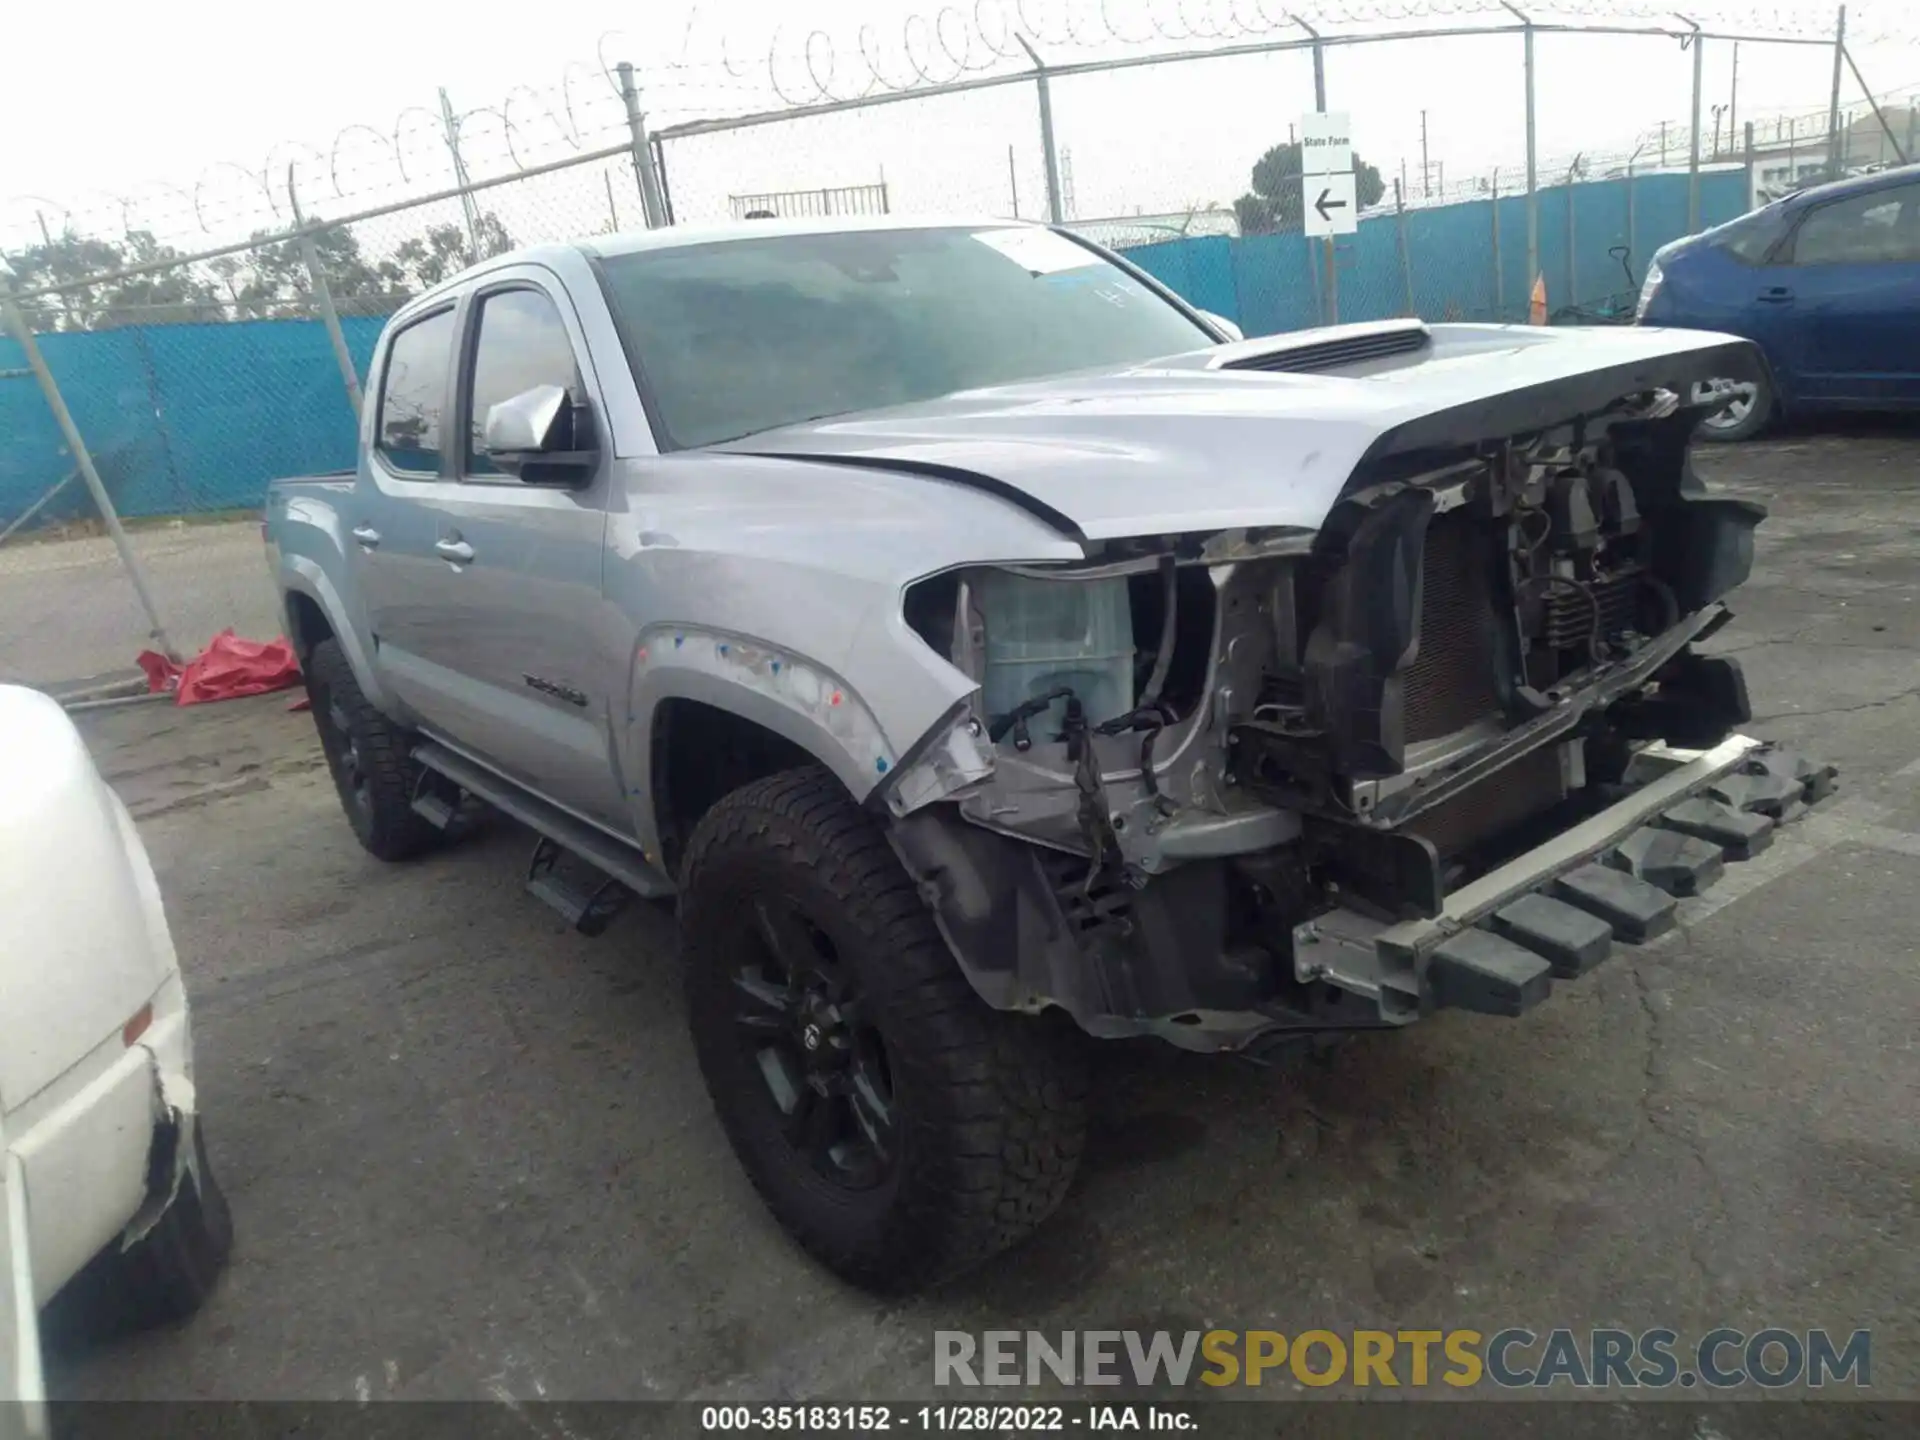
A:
x,y
987,649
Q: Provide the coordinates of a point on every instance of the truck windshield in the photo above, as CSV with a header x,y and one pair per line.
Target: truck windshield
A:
x,y
739,336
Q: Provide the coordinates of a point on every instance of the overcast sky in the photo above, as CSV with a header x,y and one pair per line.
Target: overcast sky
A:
x,y
193,94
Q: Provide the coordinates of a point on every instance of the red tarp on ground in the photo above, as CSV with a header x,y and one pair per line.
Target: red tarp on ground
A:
x,y
227,669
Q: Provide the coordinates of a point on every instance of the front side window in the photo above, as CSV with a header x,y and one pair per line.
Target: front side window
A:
x,y
413,394
521,343
1751,238
1879,227
740,336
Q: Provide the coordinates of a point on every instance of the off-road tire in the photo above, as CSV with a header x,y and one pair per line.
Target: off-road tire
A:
x,y
988,1108
367,755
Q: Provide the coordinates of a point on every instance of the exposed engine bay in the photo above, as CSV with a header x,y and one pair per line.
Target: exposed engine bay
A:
x,y
1189,747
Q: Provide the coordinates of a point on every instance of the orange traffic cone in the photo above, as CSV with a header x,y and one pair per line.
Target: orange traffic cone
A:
x,y
1537,302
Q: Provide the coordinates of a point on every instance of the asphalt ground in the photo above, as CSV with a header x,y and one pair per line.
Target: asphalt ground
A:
x,y
470,1156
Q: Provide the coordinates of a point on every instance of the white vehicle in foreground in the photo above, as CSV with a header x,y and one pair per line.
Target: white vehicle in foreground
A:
x,y
102,1166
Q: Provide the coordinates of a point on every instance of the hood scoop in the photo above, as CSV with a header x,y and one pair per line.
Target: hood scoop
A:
x,y
1331,349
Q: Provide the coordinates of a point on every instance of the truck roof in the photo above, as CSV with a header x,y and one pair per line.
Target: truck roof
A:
x,y
676,236
669,237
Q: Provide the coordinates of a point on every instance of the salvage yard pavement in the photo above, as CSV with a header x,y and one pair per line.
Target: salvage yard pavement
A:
x,y
469,1154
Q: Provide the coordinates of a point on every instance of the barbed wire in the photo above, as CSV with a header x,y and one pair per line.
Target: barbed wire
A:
x,y
706,72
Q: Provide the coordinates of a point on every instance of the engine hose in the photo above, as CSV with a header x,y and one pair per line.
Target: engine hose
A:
x,y
1163,661
1148,780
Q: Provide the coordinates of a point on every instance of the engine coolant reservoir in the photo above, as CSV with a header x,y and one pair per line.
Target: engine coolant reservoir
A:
x,y
1044,634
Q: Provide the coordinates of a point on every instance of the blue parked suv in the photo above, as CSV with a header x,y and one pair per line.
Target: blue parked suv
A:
x,y
1827,282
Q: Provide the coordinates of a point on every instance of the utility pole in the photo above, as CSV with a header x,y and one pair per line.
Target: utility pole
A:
x,y
1733,97
1693,143
452,127
1836,149
1533,174
1426,168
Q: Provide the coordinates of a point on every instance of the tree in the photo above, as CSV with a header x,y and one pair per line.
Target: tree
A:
x,y
269,281
442,251
1273,205
161,297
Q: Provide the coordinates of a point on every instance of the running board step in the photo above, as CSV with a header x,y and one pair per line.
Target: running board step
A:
x,y
586,901
603,852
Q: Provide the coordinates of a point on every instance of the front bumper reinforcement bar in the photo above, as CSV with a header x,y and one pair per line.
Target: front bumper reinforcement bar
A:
x,y
1499,943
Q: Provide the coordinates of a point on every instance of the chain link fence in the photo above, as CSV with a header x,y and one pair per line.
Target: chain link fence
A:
x,y
194,379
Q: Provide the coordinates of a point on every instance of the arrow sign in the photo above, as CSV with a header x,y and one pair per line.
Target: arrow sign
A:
x,y
1327,204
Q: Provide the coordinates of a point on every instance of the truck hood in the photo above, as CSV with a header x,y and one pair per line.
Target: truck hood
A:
x,y
1190,444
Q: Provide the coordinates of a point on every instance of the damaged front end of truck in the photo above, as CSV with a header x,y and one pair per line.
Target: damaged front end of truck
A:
x,y
1236,786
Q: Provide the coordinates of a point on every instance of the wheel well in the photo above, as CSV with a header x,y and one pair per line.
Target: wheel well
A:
x,y
700,753
306,623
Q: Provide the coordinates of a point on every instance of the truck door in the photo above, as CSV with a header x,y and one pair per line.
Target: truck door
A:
x,y
524,628
391,519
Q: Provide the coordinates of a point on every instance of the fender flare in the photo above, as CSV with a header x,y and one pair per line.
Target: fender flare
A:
x,y
299,574
790,695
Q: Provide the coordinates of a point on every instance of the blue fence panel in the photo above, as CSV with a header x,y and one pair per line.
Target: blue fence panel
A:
x,y
1459,269
1275,283
180,418
1199,270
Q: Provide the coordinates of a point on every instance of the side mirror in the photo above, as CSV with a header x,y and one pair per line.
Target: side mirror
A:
x,y
1224,325
543,436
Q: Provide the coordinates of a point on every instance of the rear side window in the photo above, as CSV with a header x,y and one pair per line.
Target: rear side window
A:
x,y
522,342
413,394
1879,227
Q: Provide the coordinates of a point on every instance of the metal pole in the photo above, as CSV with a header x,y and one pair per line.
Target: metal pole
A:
x,y
1835,149
1663,144
452,127
1632,246
657,149
1861,81
83,460
323,297
1499,279
1573,277
1752,199
1693,143
1533,172
1327,253
651,205
1054,213
1406,256
1013,182
1426,166
1733,97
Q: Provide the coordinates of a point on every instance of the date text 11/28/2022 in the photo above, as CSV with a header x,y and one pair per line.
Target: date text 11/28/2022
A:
x,y
869,1418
